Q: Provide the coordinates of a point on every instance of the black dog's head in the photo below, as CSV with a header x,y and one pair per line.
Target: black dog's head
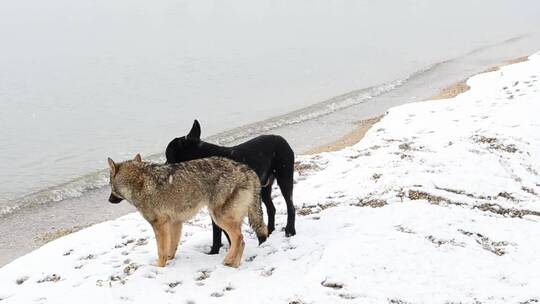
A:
x,y
186,147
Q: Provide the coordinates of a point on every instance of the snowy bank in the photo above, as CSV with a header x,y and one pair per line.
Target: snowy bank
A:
x,y
439,203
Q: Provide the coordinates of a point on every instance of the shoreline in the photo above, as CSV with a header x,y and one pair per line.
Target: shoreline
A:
x,y
349,139
68,217
363,126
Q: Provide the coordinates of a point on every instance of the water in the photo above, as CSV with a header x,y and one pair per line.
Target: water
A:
x,y
83,80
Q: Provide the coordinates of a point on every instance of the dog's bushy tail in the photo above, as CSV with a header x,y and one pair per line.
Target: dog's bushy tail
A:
x,y
255,215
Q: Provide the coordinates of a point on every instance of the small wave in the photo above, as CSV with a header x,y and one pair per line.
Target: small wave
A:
x,y
78,187
315,111
72,189
6,208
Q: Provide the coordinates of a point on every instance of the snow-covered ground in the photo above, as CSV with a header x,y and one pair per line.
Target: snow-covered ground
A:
x,y
439,203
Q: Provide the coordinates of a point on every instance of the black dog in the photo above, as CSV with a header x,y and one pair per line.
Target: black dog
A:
x,y
270,156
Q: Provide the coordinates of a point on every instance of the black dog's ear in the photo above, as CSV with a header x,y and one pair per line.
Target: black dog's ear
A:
x,y
195,132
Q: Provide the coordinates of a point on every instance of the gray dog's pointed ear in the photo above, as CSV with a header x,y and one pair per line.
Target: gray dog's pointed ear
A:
x,y
112,165
195,132
137,158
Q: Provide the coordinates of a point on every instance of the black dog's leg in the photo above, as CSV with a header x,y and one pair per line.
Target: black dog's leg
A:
x,y
285,181
266,193
216,239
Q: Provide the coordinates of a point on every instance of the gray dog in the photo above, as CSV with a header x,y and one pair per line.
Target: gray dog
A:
x,y
169,195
